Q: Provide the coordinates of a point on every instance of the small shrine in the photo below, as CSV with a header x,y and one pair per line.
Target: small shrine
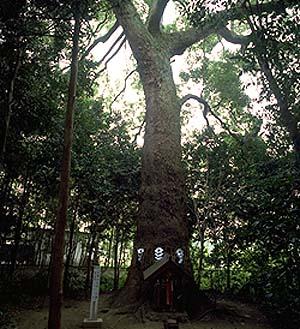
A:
x,y
166,278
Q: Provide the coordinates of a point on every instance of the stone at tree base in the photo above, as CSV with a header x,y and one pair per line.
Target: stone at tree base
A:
x,y
171,324
87,323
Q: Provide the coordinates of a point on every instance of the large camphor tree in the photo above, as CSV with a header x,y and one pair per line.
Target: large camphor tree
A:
x,y
162,219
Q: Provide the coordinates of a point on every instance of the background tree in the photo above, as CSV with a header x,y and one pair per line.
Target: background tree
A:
x,y
56,276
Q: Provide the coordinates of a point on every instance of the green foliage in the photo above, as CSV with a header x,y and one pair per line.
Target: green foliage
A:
x,y
107,280
76,283
222,80
243,201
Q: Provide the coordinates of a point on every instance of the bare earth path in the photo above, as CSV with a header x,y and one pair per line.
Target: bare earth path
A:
x,y
229,315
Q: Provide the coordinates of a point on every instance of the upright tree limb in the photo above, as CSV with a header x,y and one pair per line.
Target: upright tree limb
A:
x,y
137,34
286,115
56,275
288,118
155,15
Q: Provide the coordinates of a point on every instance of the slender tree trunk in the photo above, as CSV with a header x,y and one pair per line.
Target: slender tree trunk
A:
x,y
122,255
6,187
116,258
228,271
89,262
56,286
122,247
107,260
7,183
19,225
8,113
85,252
201,229
201,258
38,253
70,245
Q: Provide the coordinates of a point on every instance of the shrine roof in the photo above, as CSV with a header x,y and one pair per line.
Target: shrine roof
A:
x,y
160,266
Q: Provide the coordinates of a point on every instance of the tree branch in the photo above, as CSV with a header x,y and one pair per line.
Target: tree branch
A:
x,y
155,15
232,37
101,39
200,100
124,88
139,131
112,55
207,109
137,33
225,126
180,41
120,37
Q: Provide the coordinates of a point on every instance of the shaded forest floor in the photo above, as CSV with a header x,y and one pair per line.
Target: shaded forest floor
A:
x,y
228,315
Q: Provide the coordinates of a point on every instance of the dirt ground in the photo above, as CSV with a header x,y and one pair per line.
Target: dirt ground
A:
x,y
228,315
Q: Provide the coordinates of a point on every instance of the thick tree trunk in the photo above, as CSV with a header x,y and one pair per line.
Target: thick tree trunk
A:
x,y
56,276
162,220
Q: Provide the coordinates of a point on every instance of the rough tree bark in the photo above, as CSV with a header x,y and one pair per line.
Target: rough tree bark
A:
x,y
56,275
70,246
